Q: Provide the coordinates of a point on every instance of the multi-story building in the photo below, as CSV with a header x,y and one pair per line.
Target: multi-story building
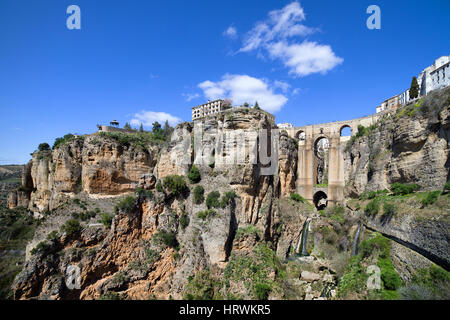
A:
x,y
431,78
209,108
440,77
434,76
403,98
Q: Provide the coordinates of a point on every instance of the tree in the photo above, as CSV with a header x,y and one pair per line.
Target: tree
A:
x,y
44,146
158,132
246,104
227,103
257,106
199,195
141,128
167,129
414,90
156,126
127,126
194,174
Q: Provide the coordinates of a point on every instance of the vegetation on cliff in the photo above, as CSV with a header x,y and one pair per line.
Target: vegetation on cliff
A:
x,y
17,227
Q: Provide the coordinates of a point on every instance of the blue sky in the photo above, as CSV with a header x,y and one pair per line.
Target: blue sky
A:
x,y
308,61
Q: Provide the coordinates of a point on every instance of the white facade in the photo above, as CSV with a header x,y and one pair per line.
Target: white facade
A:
x,y
431,78
285,125
439,71
403,98
209,108
440,77
381,108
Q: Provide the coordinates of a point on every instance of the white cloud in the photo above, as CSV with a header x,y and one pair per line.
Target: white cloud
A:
x,y
231,32
284,86
282,24
148,117
190,96
243,88
275,36
305,58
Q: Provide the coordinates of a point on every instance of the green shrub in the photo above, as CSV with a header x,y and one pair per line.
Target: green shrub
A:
x,y
378,243
138,139
61,141
337,214
175,184
403,188
141,193
202,287
372,207
106,219
212,200
110,295
389,209
227,198
194,175
151,256
262,290
371,195
126,205
428,284
44,147
159,186
167,238
41,247
361,131
248,230
431,198
297,197
205,214
391,279
199,195
71,227
447,185
184,221
52,236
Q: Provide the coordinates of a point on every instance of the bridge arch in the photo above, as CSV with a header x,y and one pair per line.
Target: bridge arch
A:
x,y
300,135
345,130
320,200
321,142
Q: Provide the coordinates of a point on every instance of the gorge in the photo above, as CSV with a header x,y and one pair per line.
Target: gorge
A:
x,y
144,218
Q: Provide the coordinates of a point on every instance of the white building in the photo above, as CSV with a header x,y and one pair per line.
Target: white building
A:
x,y
403,98
431,78
440,77
435,76
285,125
209,108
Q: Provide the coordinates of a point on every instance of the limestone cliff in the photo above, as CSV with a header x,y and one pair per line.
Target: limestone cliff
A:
x,y
410,145
236,233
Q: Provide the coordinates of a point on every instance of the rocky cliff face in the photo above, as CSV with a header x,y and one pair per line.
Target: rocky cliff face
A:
x,y
166,245
410,145
96,165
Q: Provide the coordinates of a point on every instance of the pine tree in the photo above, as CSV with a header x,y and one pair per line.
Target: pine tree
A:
x,y
257,105
414,90
141,128
167,129
127,126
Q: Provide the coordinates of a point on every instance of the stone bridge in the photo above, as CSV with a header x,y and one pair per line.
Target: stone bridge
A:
x,y
308,138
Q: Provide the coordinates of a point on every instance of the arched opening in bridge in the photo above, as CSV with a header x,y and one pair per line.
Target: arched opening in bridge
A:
x,y
321,147
301,135
320,200
346,131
